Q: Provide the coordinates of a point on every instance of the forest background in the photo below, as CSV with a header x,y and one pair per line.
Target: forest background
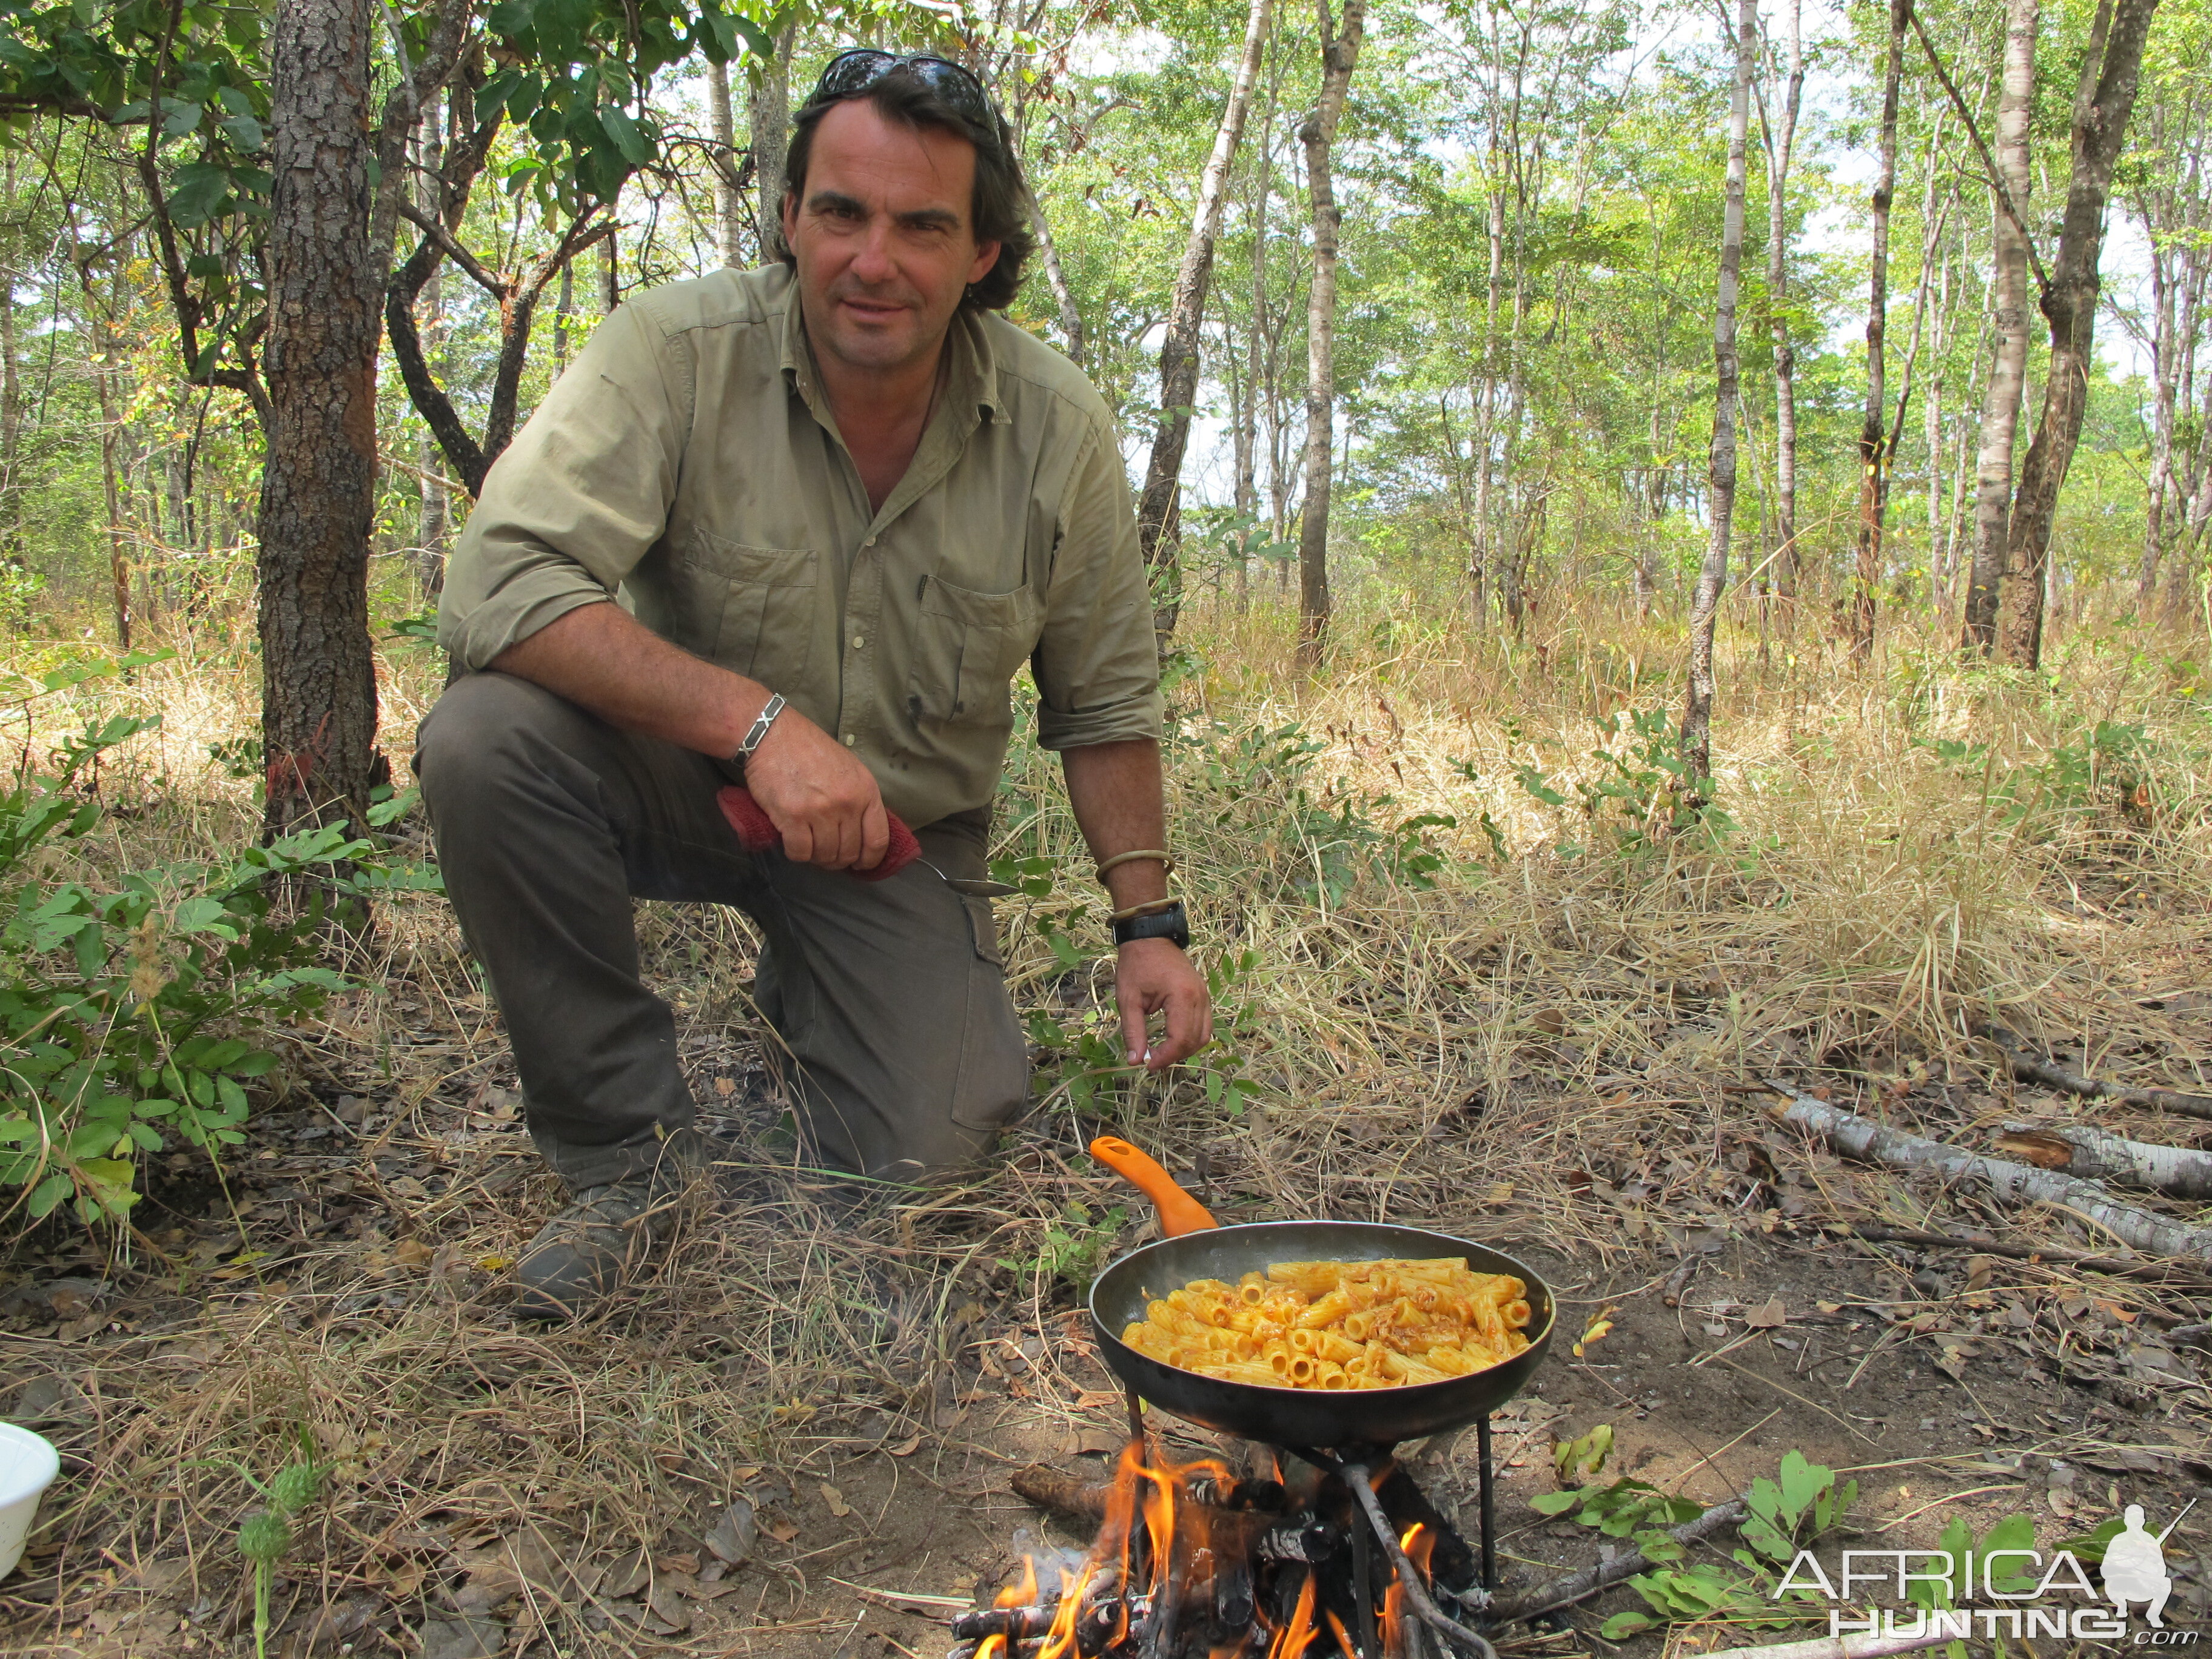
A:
x,y
1531,202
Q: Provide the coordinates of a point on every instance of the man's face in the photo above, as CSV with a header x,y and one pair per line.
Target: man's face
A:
x,y
882,238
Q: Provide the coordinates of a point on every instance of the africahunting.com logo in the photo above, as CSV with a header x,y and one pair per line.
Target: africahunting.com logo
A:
x,y
2002,1589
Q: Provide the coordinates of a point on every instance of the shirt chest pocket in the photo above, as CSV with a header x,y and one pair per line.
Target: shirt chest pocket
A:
x,y
968,647
748,609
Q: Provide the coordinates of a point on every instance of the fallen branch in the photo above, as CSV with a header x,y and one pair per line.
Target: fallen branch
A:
x,y
2088,1261
2093,1154
1581,1586
1847,1647
2019,1183
2030,1067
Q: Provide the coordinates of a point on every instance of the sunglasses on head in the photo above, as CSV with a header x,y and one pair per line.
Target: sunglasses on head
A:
x,y
852,72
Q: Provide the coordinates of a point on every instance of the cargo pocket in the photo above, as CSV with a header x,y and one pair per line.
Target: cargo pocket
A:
x,y
968,647
748,609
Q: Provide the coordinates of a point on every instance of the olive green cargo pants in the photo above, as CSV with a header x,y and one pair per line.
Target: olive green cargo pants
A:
x,y
892,1027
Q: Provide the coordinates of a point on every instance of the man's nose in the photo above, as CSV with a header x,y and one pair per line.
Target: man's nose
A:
x,y
874,263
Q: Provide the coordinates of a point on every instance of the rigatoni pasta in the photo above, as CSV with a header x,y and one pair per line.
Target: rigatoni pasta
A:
x,y
1339,1324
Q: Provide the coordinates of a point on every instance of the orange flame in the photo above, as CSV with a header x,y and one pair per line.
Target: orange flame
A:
x,y
1300,1631
1419,1543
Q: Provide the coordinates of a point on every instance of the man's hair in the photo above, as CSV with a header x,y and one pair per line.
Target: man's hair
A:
x,y
997,206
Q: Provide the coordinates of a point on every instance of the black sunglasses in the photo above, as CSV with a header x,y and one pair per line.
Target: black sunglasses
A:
x,y
852,72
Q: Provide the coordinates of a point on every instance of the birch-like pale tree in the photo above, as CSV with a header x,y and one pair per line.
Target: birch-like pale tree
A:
x,y
1778,130
1696,738
2001,398
1339,52
1179,356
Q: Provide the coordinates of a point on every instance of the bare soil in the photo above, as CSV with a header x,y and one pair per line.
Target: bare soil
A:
x,y
360,1241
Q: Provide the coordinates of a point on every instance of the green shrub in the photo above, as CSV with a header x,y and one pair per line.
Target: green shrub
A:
x,y
128,1012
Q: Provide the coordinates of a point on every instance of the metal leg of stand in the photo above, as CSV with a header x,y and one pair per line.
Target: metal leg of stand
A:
x,y
1363,1593
1137,1428
1488,1504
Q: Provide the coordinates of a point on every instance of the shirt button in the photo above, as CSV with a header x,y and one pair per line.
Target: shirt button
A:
x,y
850,740
858,642
871,541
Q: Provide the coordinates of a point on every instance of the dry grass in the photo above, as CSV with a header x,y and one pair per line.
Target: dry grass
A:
x,y
1540,1048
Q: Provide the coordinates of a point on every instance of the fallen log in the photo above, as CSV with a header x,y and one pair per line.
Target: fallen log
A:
x,y
2028,1067
2094,1154
2018,1183
2053,1254
1860,1646
1581,1586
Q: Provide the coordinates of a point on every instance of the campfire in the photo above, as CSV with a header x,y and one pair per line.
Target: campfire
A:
x,y
1315,1556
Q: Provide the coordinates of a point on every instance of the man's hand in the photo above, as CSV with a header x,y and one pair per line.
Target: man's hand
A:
x,y
825,802
1150,975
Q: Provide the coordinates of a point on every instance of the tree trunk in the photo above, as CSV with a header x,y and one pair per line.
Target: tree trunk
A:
x,y
1179,363
2163,353
436,510
1055,276
11,391
1873,457
2000,400
1696,738
1339,52
1781,137
114,481
2105,99
729,201
318,680
768,110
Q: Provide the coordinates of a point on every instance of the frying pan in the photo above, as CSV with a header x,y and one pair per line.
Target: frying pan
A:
x,y
1198,1248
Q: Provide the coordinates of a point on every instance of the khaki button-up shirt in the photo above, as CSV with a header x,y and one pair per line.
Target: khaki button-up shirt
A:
x,y
687,461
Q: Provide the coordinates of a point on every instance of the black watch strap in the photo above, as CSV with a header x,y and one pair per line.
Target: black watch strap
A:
x,y
1168,923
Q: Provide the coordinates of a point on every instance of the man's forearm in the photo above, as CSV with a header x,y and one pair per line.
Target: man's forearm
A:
x,y
1116,790
601,658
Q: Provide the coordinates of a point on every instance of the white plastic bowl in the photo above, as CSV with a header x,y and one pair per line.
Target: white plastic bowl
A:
x,y
29,1464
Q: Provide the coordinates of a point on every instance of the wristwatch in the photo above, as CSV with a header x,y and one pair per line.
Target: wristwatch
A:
x,y
1167,923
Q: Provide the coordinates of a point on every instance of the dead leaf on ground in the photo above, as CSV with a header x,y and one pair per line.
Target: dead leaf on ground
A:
x,y
836,1501
2045,1151
629,1575
412,1253
1768,1317
907,1448
731,1538
782,1530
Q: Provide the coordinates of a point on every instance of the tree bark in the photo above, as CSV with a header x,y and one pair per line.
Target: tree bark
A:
x,y
319,680
1696,738
1339,52
1055,276
1874,456
729,201
768,110
1179,357
2000,399
1781,136
2102,104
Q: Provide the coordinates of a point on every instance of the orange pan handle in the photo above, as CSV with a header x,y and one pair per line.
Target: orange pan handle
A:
x,y
1179,1212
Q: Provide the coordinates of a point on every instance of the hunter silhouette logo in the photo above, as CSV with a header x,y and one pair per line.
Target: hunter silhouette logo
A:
x,y
2134,1565
2009,1588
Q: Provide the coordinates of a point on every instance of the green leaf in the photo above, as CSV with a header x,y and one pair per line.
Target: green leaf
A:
x,y
636,149
1554,1502
47,1193
1623,1624
1801,1482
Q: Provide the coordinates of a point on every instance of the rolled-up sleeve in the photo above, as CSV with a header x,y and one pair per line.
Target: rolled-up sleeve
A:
x,y
578,498
1097,665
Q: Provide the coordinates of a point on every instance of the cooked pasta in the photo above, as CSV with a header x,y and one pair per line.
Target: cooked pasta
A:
x,y
1339,1324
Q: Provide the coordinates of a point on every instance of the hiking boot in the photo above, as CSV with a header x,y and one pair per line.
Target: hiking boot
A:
x,y
587,1252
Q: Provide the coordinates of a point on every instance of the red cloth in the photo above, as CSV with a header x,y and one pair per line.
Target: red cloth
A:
x,y
757,833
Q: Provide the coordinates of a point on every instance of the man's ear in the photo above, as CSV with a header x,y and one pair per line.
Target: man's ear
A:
x,y
789,216
987,256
